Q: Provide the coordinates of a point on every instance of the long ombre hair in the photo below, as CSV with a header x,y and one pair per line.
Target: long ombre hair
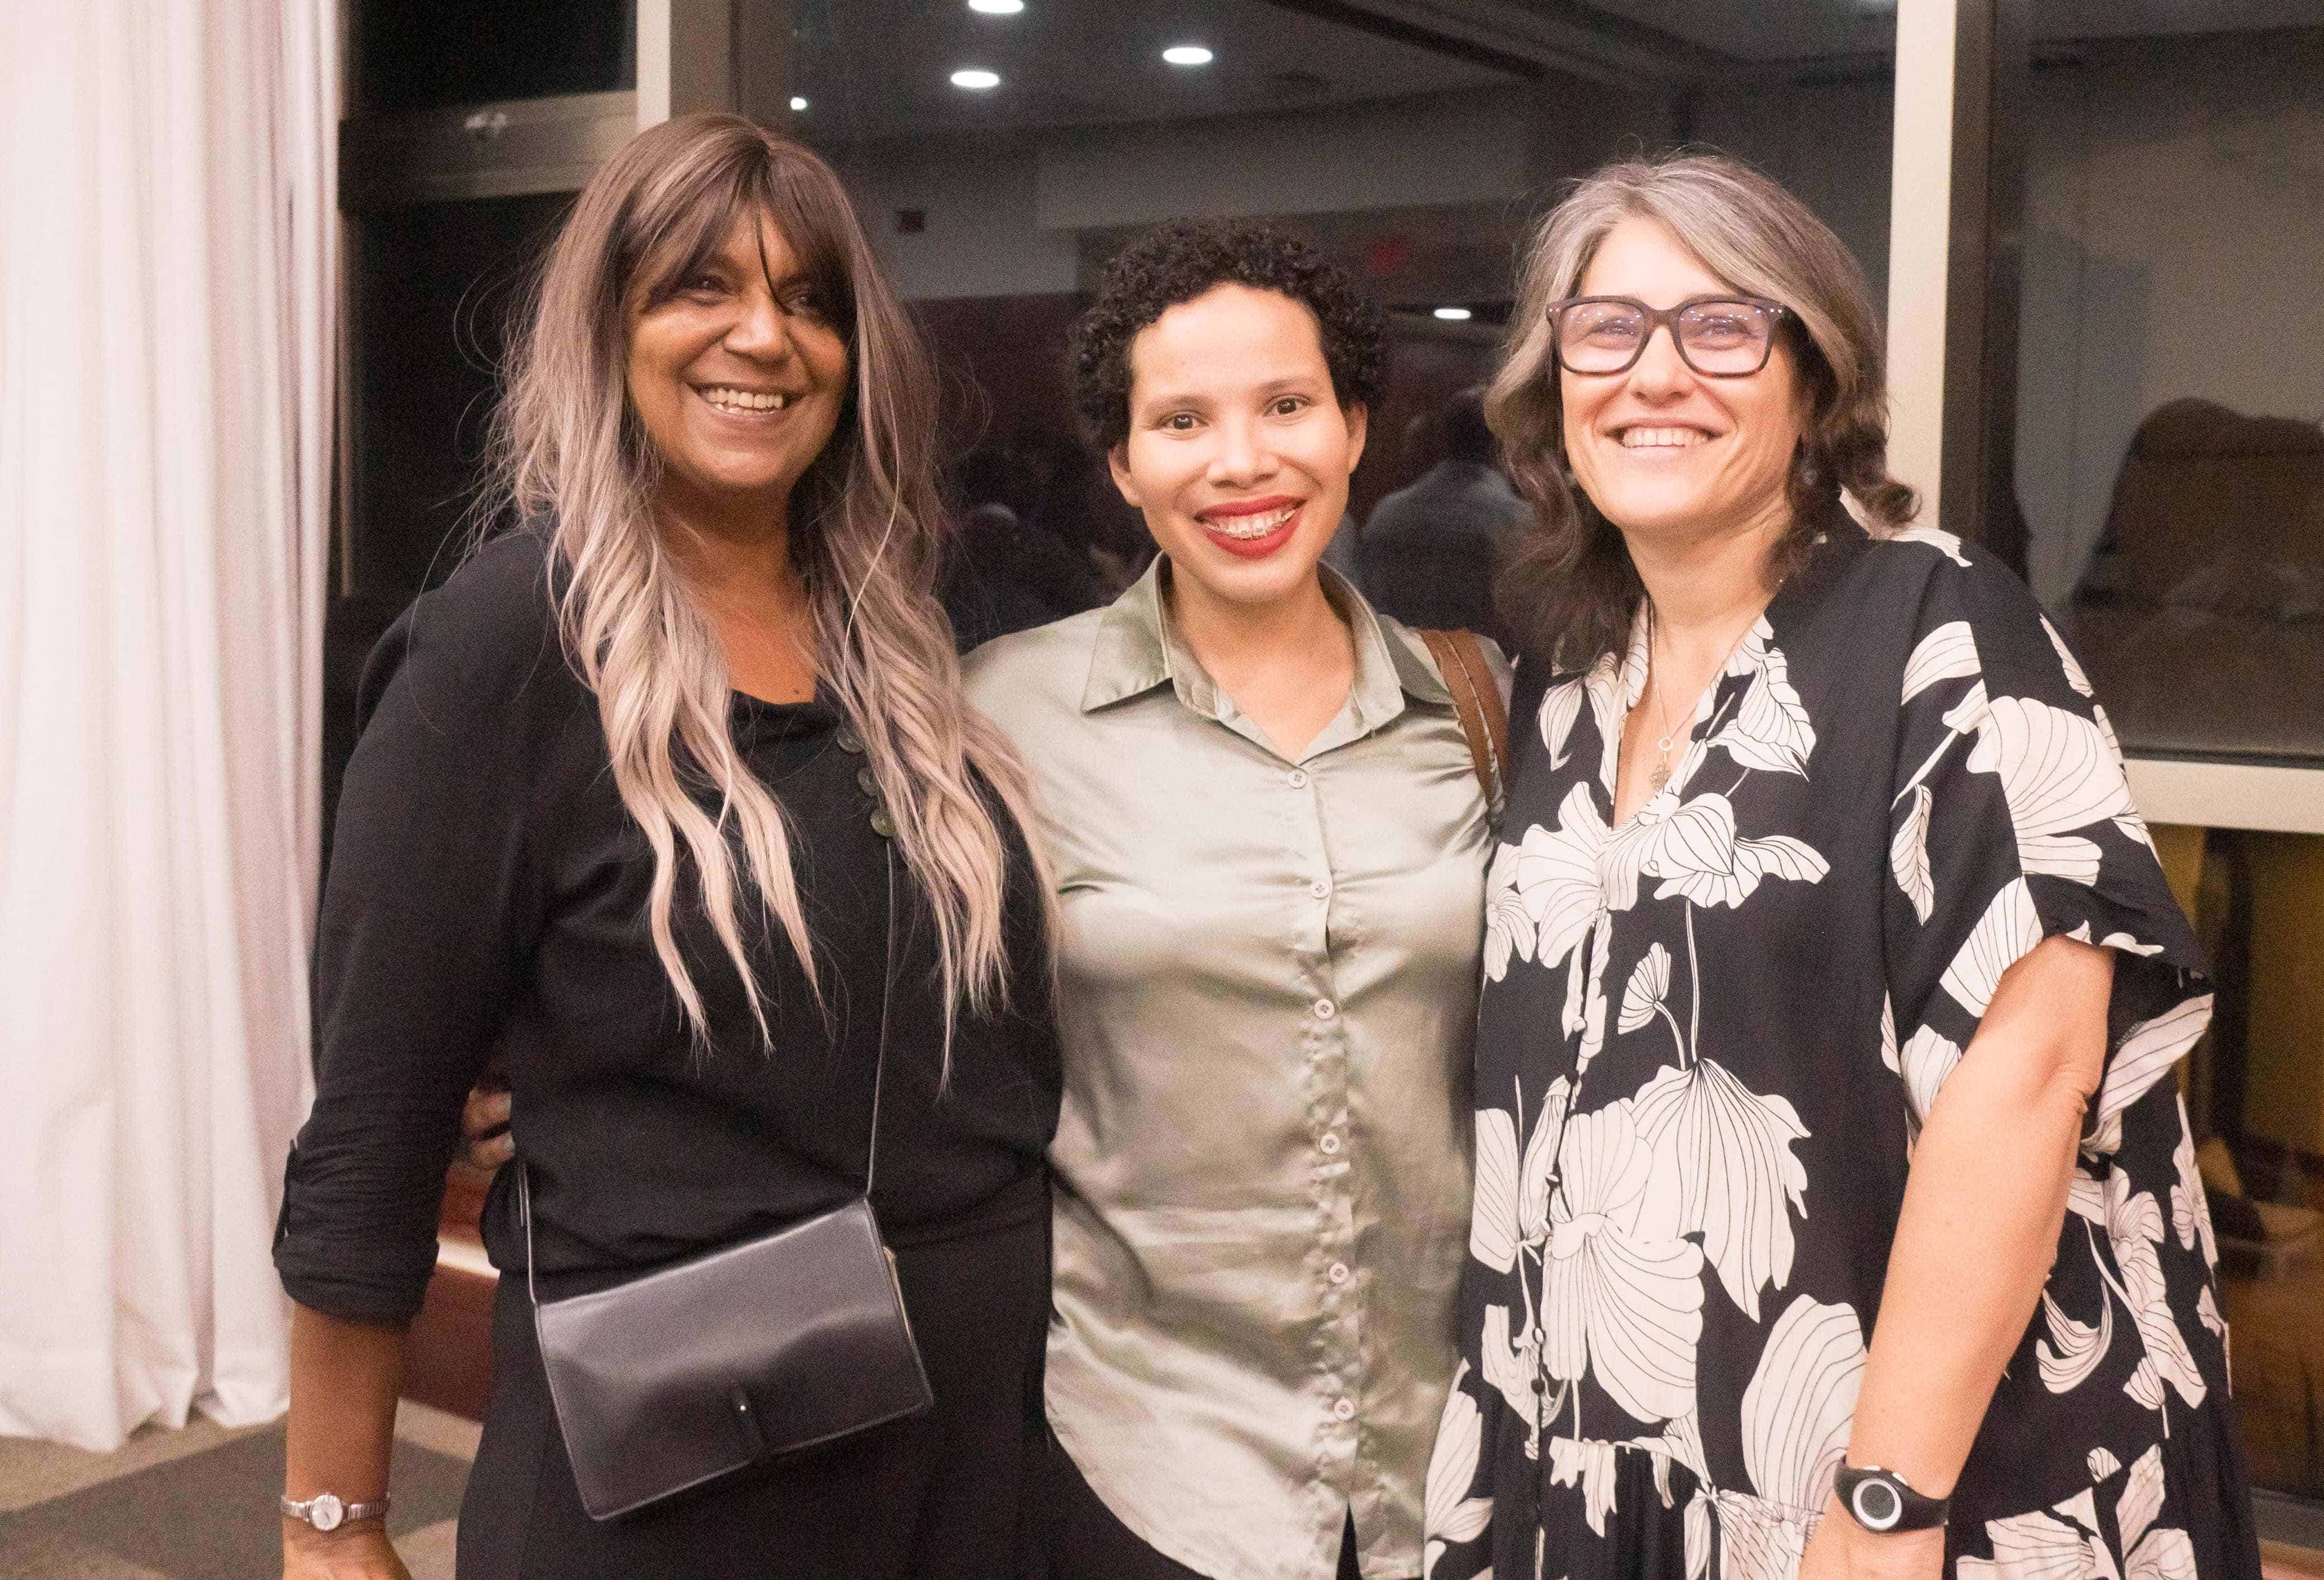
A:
x,y
1570,592
864,524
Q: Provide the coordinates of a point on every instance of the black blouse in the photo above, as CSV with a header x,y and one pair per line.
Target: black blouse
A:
x,y
487,891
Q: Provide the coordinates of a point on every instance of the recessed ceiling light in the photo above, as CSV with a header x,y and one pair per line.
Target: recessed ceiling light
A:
x,y
975,79
1453,315
797,103
1188,55
997,7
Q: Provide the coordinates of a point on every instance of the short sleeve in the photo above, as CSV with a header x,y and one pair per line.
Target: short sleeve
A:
x,y
2011,821
427,915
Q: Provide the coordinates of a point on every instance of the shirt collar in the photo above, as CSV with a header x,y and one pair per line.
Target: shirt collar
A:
x,y
1139,647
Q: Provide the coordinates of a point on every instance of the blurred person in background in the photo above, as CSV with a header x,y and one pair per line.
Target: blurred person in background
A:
x,y
1434,550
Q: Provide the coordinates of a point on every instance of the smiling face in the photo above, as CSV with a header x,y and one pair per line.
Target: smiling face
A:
x,y
1239,451
1663,451
738,377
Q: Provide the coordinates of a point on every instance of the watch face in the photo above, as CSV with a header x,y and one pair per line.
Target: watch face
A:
x,y
327,1512
1877,1507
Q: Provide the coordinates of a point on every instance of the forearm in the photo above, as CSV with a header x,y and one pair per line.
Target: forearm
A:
x,y
345,1378
1974,1245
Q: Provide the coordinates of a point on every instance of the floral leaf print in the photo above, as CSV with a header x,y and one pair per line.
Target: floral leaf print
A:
x,y
1943,542
1924,1062
1758,1540
2207,1307
1730,1151
1539,1170
2145,1058
1946,653
1908,854
2152,1552
1508,925
1698,1537
2105,729
1648,986
2057,776
2073,1349
1561,709
1513,1367
2191,1210
1621,1294
2009,927
1590,1465
2103,1464
2039,1546
1493,1213
1679,1441
1801,1403
1700,857
1557,875
1451,1515
1967,713
2075,677
2134,1227
1770,729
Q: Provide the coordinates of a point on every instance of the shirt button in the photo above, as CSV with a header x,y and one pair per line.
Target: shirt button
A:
x,y
866,782
1325,1009
882,824
848,740
1320,889
1331,1143
1298,780
1339,1272
1346,1408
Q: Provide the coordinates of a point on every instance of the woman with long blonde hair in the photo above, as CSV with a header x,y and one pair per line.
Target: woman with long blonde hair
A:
x,y
621,811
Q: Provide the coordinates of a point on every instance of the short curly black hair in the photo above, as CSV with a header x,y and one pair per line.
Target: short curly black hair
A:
x,y
1179,261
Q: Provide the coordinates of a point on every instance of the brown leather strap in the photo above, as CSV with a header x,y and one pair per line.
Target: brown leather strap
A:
x,y
1484,718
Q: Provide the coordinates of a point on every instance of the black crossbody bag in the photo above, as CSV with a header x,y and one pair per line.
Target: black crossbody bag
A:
x,y
740,1355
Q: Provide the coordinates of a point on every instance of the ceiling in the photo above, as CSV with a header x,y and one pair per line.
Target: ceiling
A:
x,y
881,69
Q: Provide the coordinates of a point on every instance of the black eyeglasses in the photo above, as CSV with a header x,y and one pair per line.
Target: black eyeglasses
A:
x,y
1718,337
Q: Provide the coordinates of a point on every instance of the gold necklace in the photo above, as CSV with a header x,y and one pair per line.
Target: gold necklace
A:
x,y
1660,776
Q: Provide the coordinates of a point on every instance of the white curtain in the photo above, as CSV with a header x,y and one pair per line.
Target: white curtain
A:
x,y
167,284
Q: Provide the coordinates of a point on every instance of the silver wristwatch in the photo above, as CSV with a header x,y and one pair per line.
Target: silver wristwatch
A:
x,y
325,1511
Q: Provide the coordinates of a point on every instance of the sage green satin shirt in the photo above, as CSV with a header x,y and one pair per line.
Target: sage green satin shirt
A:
x,y
1268,973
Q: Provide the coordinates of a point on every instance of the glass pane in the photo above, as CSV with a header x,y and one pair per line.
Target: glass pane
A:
x,y
424,54
2171,474
2170,463
1418,158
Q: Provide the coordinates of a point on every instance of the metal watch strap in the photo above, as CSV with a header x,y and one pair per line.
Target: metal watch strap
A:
x,y
327,1512
1882,1502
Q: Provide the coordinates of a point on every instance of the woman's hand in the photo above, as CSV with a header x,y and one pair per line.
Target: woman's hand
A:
x,y
485,1143
1841,1549
357,1553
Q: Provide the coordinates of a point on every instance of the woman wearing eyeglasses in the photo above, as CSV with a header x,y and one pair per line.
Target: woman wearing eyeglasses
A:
x,y
1835,1211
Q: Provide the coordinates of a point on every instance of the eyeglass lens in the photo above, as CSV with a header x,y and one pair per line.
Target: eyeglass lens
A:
x,y
1716,337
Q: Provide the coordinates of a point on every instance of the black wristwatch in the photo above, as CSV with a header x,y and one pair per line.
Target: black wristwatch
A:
x,y
1882,1500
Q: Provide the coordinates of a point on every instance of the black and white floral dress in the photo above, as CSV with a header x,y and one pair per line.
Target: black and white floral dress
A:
x,y
1709,1038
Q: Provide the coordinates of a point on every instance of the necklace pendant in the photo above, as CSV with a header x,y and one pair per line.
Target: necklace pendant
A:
x,y
1660,776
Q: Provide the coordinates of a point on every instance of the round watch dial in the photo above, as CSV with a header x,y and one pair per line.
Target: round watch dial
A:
x,y
327,1512
1877,1506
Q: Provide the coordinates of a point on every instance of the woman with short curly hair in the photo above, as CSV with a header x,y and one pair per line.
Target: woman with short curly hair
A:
x,y
1269,833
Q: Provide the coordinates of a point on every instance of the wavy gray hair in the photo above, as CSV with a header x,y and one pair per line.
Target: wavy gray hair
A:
x,y
864,524
1572,589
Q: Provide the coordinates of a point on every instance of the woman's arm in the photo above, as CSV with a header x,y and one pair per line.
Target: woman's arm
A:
x,y
1980,1230
345,1378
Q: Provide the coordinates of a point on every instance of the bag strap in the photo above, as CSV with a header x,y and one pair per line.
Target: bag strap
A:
x,y
1484,716
879,1080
